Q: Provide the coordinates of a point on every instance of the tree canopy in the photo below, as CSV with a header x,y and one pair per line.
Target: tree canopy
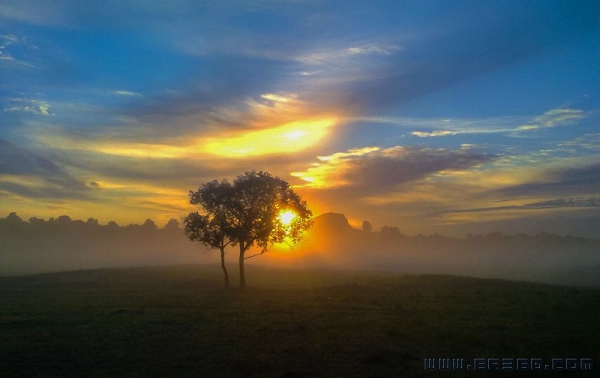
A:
x,y
257,209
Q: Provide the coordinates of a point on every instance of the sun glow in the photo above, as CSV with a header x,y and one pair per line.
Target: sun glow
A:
x,y
288,138
286,217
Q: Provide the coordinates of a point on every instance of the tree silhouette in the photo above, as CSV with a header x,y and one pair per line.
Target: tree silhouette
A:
x,y
172,224
149,225
211,228
390,232
366,226
247,213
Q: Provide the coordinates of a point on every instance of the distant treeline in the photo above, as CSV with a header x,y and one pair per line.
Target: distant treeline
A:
x,y
14,223
63,243
541,257
337,224
39,245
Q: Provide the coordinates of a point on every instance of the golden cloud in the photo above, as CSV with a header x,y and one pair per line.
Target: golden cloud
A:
x,y
288,138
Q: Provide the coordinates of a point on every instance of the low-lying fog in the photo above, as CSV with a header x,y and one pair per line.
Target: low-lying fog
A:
x,y
65,244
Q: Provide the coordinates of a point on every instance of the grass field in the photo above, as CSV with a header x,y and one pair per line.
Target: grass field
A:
x,y
179,322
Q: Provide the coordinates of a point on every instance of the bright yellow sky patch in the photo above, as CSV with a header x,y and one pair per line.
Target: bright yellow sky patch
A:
x,y
289,138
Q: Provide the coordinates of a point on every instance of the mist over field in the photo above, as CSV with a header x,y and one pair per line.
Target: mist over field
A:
x,y
65,244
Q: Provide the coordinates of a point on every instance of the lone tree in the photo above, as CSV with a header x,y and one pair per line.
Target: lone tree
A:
x,y
257,209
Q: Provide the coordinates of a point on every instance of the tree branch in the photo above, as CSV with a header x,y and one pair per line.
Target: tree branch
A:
x,y
258,254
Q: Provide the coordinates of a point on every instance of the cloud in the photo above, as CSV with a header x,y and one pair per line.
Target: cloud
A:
x,y
561,202
557,181
15,160
456,49
433,133
373,49
28,189
588,141
593,202
553,118
335,56
280,126
277,98
31,175
14,51
433,187
127,93
510,126
289,138
29,106
15,40
309,73
179,163
373,170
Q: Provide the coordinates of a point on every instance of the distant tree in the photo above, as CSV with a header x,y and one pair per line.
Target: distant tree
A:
x,y
149,225
390,231
13,218
112,226
366,226
13,224
63,220
249,212
37,222
172,224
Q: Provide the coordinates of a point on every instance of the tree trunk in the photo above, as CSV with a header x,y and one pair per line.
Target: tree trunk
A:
x,y
224,268
242,275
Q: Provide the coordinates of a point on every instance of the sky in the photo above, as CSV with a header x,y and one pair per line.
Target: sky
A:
x,y
432,116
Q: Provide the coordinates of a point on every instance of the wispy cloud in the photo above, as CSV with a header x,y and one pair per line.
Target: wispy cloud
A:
x,y
569,180
433,133
32,175
339,56
593,202
38,107
15,40
553,118
127,93
430,127
510,126
12,49
588,141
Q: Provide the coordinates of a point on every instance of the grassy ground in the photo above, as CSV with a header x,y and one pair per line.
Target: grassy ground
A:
x,y
179,321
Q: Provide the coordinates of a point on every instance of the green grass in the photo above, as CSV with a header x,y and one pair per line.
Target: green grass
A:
x,y
179,322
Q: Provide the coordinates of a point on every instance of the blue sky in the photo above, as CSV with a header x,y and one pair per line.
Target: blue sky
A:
x,y
433,116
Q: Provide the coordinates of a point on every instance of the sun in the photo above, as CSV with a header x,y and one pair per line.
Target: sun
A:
x,y
286,217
